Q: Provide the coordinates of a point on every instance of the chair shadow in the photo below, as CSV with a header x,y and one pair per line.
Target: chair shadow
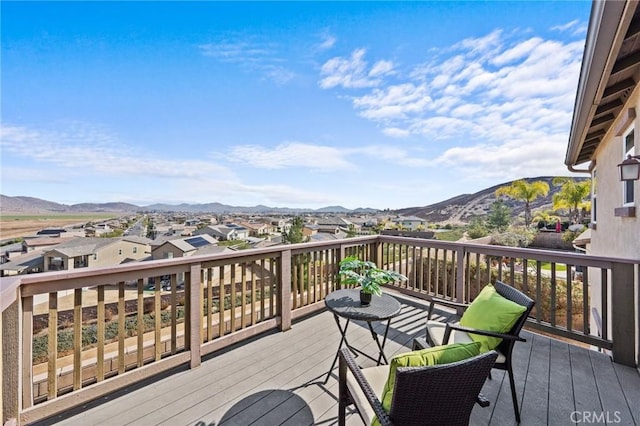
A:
x,y
268,407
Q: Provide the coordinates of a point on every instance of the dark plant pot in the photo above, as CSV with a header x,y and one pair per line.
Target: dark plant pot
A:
x,y
365,298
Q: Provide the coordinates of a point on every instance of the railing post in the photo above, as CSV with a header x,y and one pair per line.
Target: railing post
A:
x,y
623,331
10,358
378,253
195,318
285,290
460,256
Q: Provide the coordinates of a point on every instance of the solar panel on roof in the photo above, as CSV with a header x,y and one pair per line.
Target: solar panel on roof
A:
x,y
197,241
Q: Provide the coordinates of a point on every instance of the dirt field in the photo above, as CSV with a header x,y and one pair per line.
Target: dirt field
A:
x,y
14,226
21,228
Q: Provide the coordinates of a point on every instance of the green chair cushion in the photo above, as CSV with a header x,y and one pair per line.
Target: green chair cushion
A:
x,y
491,312
430,356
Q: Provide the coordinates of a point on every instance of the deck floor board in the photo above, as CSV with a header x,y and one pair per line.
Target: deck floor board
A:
x,y
278,378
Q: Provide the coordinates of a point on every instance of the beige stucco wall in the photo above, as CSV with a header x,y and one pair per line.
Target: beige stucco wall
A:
x,y
163,251
613,235
616,236
110,255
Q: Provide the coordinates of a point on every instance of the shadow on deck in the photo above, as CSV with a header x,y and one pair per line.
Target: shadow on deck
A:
x,y
277,379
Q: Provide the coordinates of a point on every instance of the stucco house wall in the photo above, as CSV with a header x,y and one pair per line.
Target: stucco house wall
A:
x,y
169,251
119,252
614,235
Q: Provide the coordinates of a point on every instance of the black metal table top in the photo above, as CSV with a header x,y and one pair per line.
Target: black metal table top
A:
x,y
346,303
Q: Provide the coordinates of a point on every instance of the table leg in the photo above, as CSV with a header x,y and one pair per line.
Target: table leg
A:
x,y
381,355
343,340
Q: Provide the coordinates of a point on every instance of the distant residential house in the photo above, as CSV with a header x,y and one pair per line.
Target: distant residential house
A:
x,y
187,246
256,229
94,252
29,263
163,229
315,232
239,231
335,221
278,224
42,243
309,230
51,232
182,229
410,223
327,235
226,232
9,251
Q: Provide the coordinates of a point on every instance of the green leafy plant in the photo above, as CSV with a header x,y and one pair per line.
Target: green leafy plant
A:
x,y
367,275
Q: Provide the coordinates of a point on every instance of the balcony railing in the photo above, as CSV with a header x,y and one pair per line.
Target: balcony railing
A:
x,y
70,337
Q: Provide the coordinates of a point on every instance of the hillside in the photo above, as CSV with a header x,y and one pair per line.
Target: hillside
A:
x,y
462,208
459,209
30,205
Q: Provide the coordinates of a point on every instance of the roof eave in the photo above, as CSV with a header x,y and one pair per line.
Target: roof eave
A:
x,y
606,17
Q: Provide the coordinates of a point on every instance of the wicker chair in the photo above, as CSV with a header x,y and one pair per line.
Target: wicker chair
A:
x,y
432,395
439,333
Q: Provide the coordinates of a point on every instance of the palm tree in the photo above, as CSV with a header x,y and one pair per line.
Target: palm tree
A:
x,y
571,196
521,190
545,216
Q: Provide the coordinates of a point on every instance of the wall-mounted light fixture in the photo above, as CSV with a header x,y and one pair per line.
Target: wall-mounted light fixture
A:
x,y
630,168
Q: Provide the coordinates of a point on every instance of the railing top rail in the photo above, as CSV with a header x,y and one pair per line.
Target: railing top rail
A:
x,y
517,252
35,283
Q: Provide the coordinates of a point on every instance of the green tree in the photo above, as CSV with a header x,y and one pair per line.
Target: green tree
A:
x,y
499,216
571,196
546,216
351,231
521,190
477,228
294,235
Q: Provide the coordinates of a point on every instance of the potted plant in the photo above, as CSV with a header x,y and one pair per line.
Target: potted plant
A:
x,y
367,275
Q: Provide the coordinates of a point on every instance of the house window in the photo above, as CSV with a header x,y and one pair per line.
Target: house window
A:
x,y
628,185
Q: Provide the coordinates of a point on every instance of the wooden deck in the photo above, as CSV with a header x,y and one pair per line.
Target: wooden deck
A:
x,y
277,379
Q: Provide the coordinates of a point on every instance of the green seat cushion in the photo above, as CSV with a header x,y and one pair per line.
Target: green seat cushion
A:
x,y
491,312
430,356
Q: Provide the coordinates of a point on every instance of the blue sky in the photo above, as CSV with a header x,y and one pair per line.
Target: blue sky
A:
x,y
303,104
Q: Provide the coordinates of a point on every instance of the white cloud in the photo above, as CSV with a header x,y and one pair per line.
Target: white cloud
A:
x,y
96,152
481,45
393,102
292,154
517,52
238,51
502,103
328,41
381,68
574,27
506,161
250,56
351,73
395,132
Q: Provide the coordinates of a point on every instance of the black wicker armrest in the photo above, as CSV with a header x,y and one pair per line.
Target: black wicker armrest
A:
x,y
347,359
451,326
447,303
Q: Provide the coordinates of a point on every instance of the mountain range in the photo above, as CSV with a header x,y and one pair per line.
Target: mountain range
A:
x,y
31,205
459,209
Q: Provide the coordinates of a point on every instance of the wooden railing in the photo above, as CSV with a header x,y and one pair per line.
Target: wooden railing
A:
x,y
72,336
